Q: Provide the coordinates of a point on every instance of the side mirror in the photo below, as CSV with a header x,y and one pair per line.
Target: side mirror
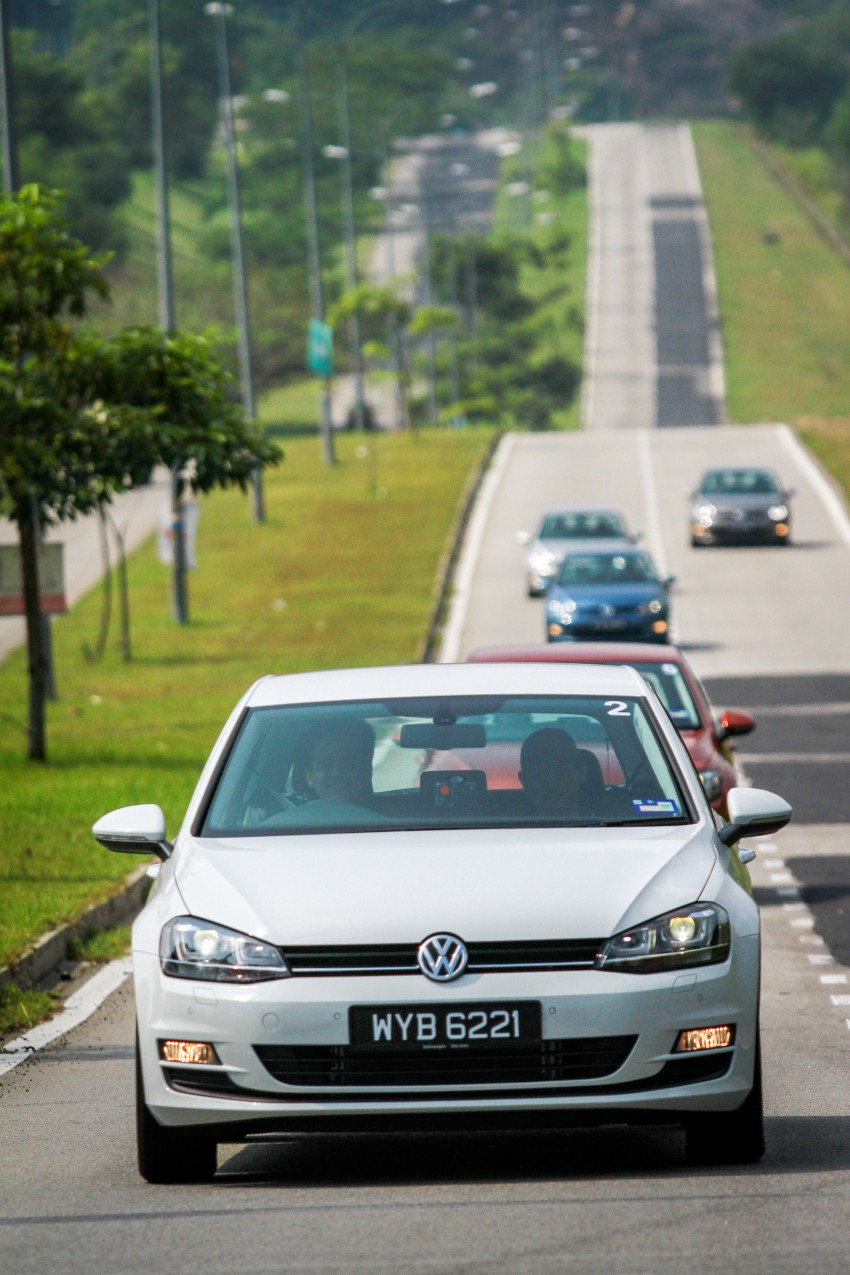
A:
x,y
134,830
669,582
734,722
635,536
753,812
523,537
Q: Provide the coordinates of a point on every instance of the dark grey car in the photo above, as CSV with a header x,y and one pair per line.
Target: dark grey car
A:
x,y
740,506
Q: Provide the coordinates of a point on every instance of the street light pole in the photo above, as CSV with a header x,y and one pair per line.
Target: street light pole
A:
x,y
165,293
220,13
351,273
311,212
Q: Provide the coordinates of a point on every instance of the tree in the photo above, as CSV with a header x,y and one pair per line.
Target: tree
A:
x,y
85,418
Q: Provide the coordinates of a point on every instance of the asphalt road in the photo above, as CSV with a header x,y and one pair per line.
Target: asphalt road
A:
x,y
766,629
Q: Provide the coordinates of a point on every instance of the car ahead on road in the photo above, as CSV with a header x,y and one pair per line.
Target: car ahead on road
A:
x,y
706,735
339,940
740,506
608,592
563,529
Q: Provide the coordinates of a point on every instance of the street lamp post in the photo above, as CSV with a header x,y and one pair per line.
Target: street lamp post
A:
x,y
220,13
311,213
165,294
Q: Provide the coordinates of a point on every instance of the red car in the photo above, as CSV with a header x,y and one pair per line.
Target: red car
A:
x,y
706,737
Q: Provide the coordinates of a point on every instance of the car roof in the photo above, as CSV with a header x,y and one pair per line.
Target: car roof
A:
x,y
579,652
413,680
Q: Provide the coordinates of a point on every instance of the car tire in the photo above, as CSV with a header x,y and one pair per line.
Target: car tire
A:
x,y
169,1155
730,1137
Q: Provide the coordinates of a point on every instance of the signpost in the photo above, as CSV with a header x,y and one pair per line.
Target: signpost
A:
x,y
320,361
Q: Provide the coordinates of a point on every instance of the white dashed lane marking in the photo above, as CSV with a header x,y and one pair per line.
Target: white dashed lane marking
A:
x,y
800,918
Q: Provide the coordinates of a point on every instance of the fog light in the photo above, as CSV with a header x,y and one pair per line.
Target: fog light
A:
x,y
187,1051
781,529
659,626
555,630
690,1041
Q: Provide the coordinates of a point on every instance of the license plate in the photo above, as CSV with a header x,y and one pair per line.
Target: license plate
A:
x,y
609,626
444,1027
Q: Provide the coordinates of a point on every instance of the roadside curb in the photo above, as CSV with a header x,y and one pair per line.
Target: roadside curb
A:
x,y
52,948
449,560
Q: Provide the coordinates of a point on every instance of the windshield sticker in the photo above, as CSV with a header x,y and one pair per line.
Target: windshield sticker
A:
x,y
669,670
653,806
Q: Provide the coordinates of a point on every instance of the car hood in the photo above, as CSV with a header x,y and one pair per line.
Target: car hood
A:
x,y
613,594
482,885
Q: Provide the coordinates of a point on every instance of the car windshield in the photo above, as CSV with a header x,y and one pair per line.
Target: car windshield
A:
x,y
582,526
739,482
669,683
442,763
606,568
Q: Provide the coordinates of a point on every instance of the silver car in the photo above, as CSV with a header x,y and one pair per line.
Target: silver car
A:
x,y
741,505
563,529
469,897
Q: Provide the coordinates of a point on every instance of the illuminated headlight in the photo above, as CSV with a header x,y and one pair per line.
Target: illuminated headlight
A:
x,y
651,608
695,935
190,948
704,515
541,561
777,513
562,610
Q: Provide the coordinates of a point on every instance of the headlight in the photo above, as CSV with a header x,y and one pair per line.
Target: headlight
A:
x,y
778,513
561,609
703,514
190,948
651,608
540,560
695,935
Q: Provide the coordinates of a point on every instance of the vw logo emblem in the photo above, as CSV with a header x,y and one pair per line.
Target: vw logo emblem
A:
x,y
442,957
606,609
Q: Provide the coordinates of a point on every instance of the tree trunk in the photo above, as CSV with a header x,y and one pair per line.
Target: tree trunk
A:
x,y
36,661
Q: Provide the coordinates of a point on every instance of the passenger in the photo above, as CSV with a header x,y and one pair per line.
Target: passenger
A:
x,y
550,772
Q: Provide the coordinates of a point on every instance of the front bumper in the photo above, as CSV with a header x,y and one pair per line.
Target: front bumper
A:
x,y
741,531
649,1084
641,629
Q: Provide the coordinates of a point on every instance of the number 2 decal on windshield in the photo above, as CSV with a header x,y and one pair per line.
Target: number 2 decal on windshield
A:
x,y
617,708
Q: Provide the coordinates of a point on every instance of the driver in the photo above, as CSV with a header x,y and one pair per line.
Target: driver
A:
x,y
550,772
334,761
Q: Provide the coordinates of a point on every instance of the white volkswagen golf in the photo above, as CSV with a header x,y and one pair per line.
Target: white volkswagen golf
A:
x,y
446,897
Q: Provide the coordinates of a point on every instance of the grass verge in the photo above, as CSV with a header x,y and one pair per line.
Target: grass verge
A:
x,y
341,574
783,290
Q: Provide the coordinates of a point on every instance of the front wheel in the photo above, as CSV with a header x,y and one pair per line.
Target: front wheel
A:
x,y
169,1155
730,1137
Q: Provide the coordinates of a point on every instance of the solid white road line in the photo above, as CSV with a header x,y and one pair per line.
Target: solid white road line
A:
x,y
450,645
826,493
78,1007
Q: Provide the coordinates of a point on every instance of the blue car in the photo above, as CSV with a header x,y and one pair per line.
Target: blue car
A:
x,y
612,592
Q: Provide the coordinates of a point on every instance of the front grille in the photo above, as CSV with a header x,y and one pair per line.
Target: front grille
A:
x,y
677,1072
400,958
338,1066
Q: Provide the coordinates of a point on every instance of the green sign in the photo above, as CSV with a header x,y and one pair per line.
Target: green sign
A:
x,y
320,348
